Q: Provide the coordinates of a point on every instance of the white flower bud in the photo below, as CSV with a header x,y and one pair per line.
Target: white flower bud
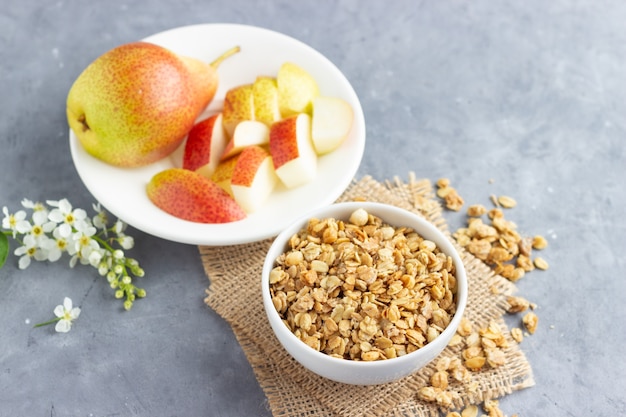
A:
x,y
127,242
103,269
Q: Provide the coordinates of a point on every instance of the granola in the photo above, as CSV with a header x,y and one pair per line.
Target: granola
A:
x,y
364,290
449,194
498,243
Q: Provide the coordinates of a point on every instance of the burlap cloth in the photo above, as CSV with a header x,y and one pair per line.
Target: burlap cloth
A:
x,y
235,294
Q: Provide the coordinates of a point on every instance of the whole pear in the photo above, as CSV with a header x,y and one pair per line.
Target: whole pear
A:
x,y
134,104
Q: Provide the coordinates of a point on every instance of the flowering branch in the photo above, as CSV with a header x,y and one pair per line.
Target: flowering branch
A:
x,y
52,231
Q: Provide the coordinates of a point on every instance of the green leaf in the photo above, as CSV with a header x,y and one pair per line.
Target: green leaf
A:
x,y
4,248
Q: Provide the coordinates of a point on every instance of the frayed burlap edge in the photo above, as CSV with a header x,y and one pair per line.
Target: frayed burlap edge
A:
x,y
235,294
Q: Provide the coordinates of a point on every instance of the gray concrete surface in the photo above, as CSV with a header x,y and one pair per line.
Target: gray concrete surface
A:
x,y
530,94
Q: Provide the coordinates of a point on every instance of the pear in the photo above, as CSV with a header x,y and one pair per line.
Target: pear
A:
x,y
238,107
265,92
296,89
136,103
190,196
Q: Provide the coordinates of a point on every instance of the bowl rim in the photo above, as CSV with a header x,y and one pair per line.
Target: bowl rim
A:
x,y
461,276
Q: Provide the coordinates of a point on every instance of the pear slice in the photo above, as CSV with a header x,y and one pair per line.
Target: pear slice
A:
x,y
266,108
247,133
296,90
224,172
331,123
191,196
253,178
294,157
238,106
205,145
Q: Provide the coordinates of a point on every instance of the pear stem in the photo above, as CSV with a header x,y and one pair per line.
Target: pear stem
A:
x,y
231,51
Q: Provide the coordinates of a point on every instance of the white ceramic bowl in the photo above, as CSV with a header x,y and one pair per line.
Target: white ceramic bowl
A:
x,y
359,372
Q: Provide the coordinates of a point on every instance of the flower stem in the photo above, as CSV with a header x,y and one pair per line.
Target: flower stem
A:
x,y
45,323
103,242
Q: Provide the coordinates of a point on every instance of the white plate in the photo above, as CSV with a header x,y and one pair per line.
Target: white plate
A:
x,y
122,191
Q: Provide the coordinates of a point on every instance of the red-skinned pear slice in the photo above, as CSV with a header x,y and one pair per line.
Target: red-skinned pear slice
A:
x,y
247,133
253,178
266,109
296,89
295,160
330,124
224,172
238,106
205,145
190,196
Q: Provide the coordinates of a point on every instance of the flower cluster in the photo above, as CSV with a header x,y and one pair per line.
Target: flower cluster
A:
x,y
58,229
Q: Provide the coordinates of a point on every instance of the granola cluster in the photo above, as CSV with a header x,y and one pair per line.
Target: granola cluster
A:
x,y
362,289
497,242
481,348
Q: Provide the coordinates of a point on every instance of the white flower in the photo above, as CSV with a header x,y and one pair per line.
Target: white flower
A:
x,y
16,222
36,207
126,242
95,257
67,314
28,250
55,246
82,244
39,227
100,220
119,227
64,214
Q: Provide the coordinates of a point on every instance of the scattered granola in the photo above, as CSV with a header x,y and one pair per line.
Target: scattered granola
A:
x,y
517,334
481,349
498,243
539,242
476,210
517,304
509,254
530,320
449,194
364,290
492,407
506,201
470,411
541,263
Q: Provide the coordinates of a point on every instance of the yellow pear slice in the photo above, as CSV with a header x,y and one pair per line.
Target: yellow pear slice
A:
x,y
296,90
238,106
265,91
224,172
